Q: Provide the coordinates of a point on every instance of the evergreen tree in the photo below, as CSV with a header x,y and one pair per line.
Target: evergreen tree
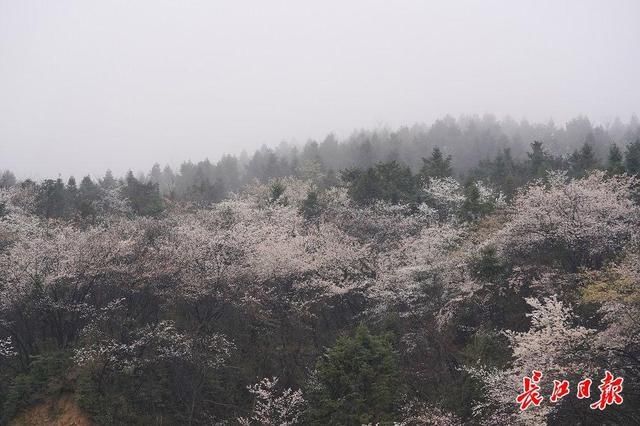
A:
x,y
437,166
229,172
155,175
331,179
294,163
311,208
71,196
357,382
632,158
144,197
362,185
538,160
488,266
583,160
7,179
206,193
71,184
472,205
168,184
504,174
397,182
108,181
312,170
365,156
50,200
615,164
202,191
276,193
88,195
389,182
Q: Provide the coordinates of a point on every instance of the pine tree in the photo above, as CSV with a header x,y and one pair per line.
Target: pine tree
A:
x,y
472,205
388,182
311,208
7,179
71,196
583,160
357,382
144,198
88,195
504,173
168,184
155,175
438,166
276,193
538,160
615,164
108,181
632,158
50,201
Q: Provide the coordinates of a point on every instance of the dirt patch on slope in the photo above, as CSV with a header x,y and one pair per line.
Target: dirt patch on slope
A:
x,y
62,411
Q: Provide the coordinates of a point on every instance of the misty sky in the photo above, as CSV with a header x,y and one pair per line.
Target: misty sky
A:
x,y
90,85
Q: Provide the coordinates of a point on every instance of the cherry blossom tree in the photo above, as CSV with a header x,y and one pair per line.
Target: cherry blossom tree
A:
x,y
274,406
579,222
554,345
447,197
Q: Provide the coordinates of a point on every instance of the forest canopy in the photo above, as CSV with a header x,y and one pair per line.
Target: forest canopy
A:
x,y
408,277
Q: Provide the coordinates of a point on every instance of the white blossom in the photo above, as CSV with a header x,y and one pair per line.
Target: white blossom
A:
x,y
274,407
582,221
6,348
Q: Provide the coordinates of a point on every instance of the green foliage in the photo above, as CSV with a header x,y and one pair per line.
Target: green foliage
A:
x,y
488,266
388,182
583,160
473,207
615,163
276,193
205,192
507,174
539,160
144,198
357,382
127,399
88,194
45,377
503,172
311,208
437,166
51,198
279,324
632,158
7,179
108,181
488,348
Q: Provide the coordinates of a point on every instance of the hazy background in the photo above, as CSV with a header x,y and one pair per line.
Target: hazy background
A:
x,y
90,85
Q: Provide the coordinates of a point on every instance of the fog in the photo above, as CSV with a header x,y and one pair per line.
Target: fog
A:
x,y
90,85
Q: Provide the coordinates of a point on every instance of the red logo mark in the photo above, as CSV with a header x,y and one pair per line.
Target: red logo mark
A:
x,y
531,394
